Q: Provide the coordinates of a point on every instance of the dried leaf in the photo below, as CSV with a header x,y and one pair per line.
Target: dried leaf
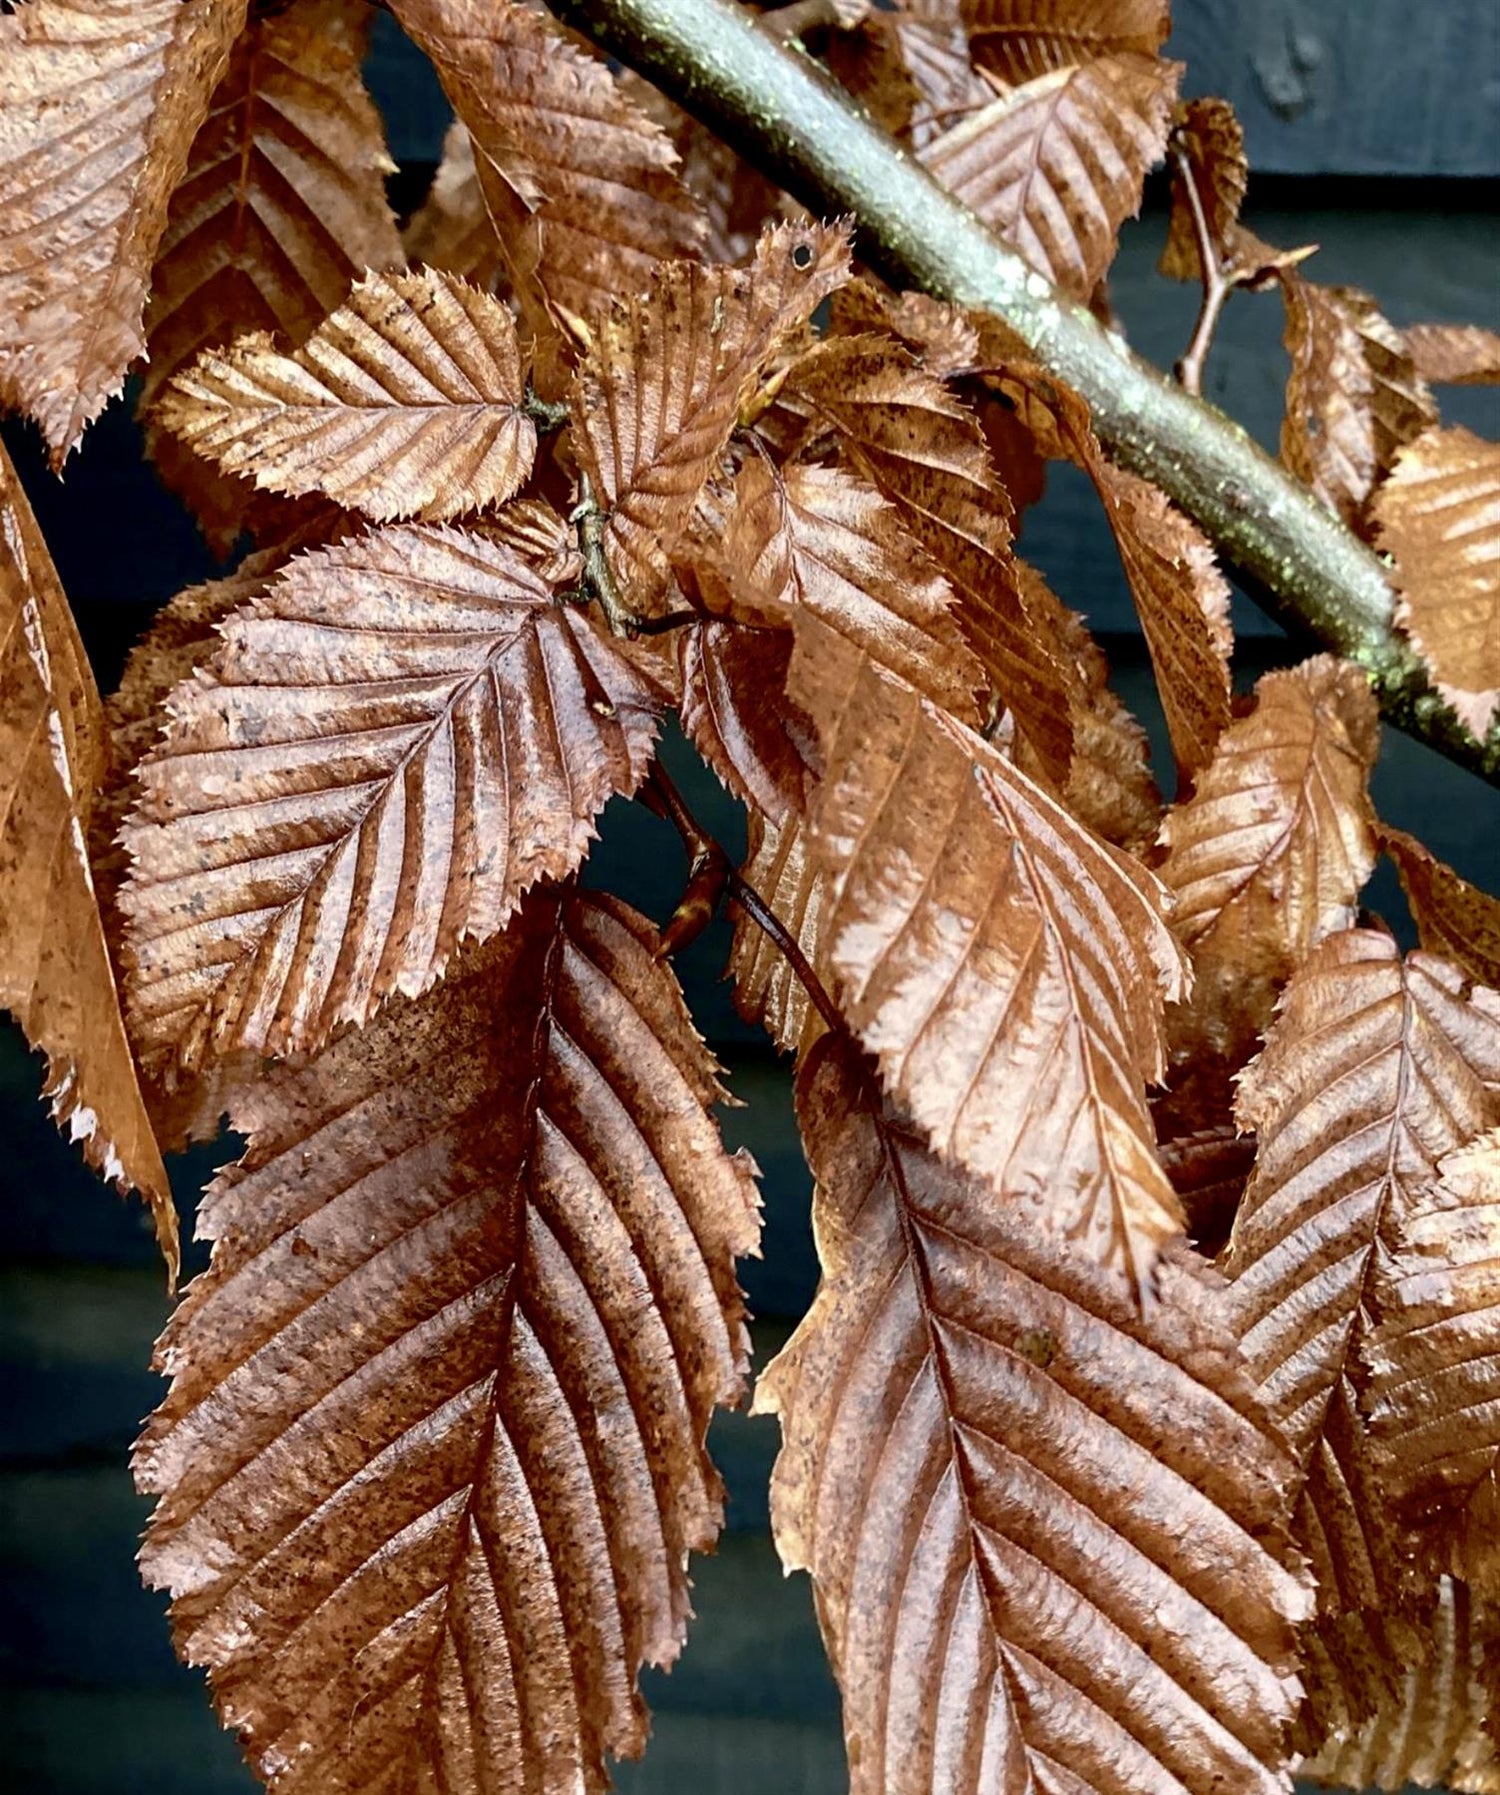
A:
x,y
1454,354
911,70
1183,602
943,338
1432,1733
1270,853
767,989
433,1457
1016,1587
1354,396
99,101
1007,970
582,187
662,385
451,229
387,749
281,208
55,973
1056,167
1453,917
1434,1386
1210,137
905,433
407,402
736,711
1019,39
1439,515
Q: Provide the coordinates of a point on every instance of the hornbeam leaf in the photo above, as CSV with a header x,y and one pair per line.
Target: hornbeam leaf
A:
x,y
1270,853
910,68
1433,1730
1056,167
1453,917
767,990
1214,145
1046,1533
661,387
735,708
1434,1389
582,187
1007,970
282,206
1439,515
433,1457
1019,39
1373,1073
56,978
1454,354
99,101
451,229
407,402
1354,396
390,745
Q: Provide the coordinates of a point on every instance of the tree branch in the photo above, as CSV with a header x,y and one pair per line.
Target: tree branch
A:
x,y
1293,555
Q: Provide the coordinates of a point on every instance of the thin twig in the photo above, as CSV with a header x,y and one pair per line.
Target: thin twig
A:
x,y
546,414
1217,285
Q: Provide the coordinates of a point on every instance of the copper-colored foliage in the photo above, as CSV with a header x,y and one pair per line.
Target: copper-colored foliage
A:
x,y
100,100
282,206
451,228
407,402
55,972
1183,603
1433,1731
1354,396
661,387
582,186
735,709
1439,515
1435,1391
433,1456
910,67
1017,1588
1057,166
1007,970
1273,848
1214,145
766,989
1454,354
900,427
1019,39
389,747
1453,917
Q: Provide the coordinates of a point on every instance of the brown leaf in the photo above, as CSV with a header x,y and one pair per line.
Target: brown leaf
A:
x,y
1453,917
1056,167
55,973
1432,1732
1454,354
1354,396
736,711
1210,137
943,338
1017,1587
407,402
1439,515
1183,602
100,101
662,385
910,69
924,449
1019,39
451,229
1007,970
403,734
433,1457
282,206
1434,1388
582,187
766,987
1270,853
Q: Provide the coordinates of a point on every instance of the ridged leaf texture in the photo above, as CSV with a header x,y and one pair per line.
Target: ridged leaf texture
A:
x,y
56,977
780,869
404,733
1439,515
661,388
1007,970
1454,354
1354,396
407,402
99,102
582,187
1017,1587
1274,846
1209,140
1453,917
433,1456
1019,39
280,209
1056,166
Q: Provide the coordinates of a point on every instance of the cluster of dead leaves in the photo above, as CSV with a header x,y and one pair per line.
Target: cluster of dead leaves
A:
x,y
1084,1508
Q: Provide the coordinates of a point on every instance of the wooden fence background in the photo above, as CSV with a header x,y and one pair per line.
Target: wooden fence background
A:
x,y
1374,127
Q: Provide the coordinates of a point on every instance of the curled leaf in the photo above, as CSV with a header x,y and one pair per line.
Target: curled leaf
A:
x,y
1020,39
1453,917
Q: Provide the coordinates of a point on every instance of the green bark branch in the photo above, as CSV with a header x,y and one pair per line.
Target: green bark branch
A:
x,y
780,111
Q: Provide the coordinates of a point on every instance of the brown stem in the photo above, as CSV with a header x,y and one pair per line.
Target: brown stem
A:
x,y
1217,285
